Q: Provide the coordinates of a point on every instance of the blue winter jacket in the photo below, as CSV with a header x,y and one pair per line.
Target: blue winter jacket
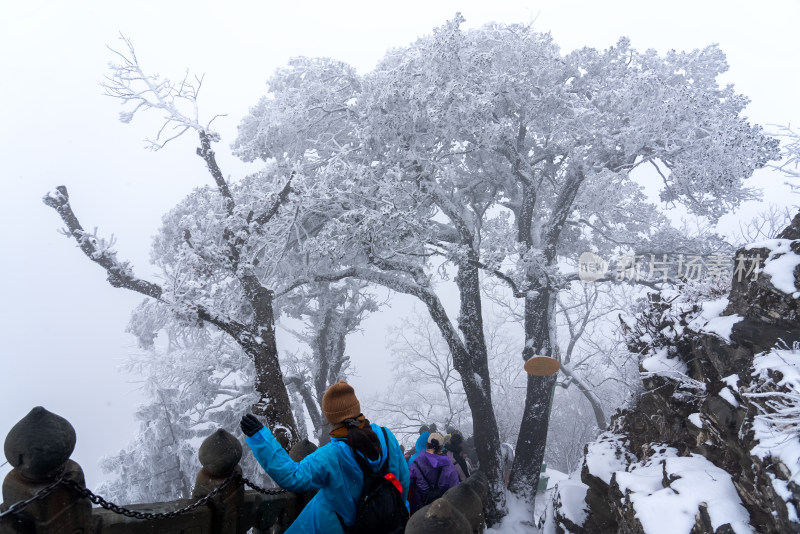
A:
x,y
419,446
332,469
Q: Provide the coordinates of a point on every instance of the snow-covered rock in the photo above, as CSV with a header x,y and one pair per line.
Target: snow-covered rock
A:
x,y
712,442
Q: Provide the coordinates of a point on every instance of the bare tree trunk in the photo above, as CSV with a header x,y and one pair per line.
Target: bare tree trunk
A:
x,y
473,366
273,399
299,415
322,427
539,325
532,438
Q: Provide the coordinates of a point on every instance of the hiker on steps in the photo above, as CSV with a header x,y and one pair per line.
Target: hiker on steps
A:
x,y
432,473
355,457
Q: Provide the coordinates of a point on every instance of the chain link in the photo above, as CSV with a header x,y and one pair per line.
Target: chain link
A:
x,y
98,500
44,492
259,489
83,491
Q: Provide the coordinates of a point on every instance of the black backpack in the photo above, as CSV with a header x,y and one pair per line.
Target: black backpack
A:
x,y
434,491
380,508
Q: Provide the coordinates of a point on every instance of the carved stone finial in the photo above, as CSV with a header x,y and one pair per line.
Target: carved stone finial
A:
x,y
479,483
301,449
39,444
439,517
220,453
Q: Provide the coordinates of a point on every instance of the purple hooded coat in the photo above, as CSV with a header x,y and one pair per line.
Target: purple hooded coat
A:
x,y
427,463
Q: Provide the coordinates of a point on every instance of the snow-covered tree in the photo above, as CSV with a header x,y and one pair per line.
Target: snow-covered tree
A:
x,y
469,154
493,153
223,251
330,311
195,380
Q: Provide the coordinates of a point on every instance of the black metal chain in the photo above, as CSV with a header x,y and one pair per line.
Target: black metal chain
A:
x,y
259,489
96,499
44,492
83,491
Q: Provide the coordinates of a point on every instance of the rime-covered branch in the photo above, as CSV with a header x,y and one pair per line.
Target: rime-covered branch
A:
x,y
265,217
207,153
120,273
791,153
128,83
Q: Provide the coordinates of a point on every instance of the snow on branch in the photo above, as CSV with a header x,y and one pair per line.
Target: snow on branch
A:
x,y
130,84
120,273
791,153
100,251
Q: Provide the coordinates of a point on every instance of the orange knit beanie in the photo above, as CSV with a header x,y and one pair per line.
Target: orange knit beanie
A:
x,y
340,403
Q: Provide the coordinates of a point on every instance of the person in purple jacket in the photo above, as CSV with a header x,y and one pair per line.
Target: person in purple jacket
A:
x,y
431,474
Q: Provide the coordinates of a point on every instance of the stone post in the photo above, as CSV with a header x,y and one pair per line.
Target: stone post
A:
x,y
441,517
219,455
39,447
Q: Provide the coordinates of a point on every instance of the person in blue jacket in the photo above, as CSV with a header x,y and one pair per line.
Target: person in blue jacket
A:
x,y
421,444
332,469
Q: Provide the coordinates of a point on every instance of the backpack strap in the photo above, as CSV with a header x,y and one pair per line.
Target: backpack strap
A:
x,y
366,470
385,467
362,462
438,474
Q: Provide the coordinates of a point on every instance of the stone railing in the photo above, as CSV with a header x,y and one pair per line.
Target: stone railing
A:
x,y
46,493
459,511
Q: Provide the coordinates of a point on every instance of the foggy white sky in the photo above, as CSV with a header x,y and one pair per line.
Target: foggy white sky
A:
x,y
61,324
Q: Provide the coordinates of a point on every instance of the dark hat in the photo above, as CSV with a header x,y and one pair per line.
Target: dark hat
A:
x,y
435,441
340,403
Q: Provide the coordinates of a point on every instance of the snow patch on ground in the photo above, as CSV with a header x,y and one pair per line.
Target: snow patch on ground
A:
x,y
785,361
607,455
711,321
518,520
784,447
693,480
731,381
727,396
570,497
694,418
554,477
660,363
780,264
666,485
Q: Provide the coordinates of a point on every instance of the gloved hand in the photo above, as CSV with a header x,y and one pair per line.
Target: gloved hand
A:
x,y
250,425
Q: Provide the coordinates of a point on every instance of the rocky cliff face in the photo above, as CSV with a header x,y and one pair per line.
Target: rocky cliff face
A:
x,y
711,444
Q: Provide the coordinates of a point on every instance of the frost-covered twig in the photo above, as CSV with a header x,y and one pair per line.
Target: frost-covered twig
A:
x,y
779,410
100,251
130,84
790,152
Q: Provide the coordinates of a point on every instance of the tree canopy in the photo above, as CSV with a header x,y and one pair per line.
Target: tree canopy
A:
x,y
485,154
492,153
